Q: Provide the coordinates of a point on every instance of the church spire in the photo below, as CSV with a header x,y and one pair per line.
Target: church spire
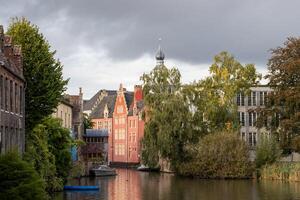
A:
x,y
160,56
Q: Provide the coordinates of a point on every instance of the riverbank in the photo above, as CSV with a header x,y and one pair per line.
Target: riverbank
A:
x,y
286,171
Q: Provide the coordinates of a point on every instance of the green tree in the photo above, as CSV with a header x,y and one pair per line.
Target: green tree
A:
x,y
19,180
48,149
227,78
87,122
219,155
42,72
267,151
283,108
169,126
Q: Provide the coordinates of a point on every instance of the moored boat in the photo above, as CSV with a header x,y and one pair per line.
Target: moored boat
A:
x,y
103,170
81,187
146,168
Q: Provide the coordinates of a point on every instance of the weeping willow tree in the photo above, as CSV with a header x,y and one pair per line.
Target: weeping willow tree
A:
x,y
169,120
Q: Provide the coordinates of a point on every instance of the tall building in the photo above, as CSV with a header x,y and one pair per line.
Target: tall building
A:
x,y
12,96
120,113
247,105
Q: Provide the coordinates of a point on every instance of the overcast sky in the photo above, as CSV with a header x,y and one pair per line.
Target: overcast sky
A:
x,y
105,42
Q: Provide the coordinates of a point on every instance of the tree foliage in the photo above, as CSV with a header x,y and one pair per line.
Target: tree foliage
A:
x,y
48,149
87,122
19,180
227,78
267,151
219,155
283,108
42,72
169,121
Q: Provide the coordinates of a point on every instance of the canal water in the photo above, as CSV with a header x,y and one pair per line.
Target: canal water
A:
x,y
135,185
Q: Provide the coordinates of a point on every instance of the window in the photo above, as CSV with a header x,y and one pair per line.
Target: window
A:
x,y
252,118
11,93
116,134
121,134
21,100
262,98
242,99
120,149
16,99
249,100
120,109
243,136
238,99
116,121
242,118
252,139
253,98
1,92
6,93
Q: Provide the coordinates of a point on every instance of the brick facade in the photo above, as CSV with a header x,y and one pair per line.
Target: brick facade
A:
x,y
120,113
12,96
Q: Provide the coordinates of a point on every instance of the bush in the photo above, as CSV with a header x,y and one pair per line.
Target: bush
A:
x,y
267,151
219,155
19,180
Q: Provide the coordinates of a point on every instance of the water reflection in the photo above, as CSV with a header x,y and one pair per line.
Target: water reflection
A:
x,y
134,185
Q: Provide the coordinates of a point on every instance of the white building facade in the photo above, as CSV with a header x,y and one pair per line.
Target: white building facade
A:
x,y
247,106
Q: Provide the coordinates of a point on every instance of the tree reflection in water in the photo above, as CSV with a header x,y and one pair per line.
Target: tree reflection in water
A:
x,y
134,185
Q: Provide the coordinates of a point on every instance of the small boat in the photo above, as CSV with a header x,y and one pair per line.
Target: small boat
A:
x,y
81,187
103,170
146,168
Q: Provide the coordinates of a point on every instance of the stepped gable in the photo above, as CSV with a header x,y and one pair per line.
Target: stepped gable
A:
x,y
98,111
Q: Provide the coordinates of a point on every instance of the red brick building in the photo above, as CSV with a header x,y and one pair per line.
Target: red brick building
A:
x,y
120,113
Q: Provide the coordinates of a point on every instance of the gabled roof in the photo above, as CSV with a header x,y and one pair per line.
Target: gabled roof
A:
x,y
89,104
98,111
129,97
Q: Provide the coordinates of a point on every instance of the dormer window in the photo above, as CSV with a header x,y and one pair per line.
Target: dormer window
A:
x,y
105,114
134,110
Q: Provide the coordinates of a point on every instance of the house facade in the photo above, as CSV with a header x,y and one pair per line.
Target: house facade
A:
x,y
120,113
96,146
12,96
64,112
247,106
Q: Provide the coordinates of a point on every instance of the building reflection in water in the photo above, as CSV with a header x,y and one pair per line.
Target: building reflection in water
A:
x,y
134,185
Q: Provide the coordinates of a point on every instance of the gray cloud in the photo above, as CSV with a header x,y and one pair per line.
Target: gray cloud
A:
x,y
193,31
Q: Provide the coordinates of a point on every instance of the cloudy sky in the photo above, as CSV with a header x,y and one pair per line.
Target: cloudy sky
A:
x,y
105,42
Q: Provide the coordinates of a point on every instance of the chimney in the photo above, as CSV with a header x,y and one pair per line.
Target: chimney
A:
x,y
80,90
17,57
138,93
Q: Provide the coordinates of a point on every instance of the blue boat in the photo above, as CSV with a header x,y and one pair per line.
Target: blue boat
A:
x,y
81,187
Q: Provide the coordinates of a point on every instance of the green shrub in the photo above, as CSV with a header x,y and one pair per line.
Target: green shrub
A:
x,y
267,151
219,155
19,180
